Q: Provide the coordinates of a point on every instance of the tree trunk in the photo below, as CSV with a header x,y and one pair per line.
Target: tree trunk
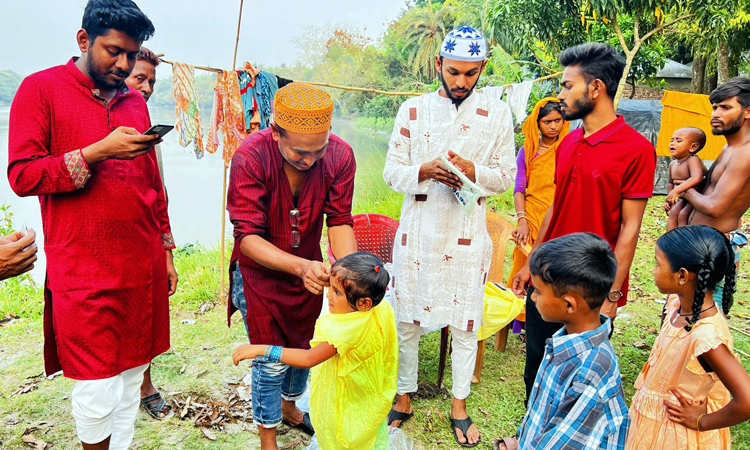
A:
x,y
625,72
734,69
699,75
709,83
722,62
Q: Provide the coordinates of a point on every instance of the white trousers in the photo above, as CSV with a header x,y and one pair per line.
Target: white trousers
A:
x,y
108,407
463,358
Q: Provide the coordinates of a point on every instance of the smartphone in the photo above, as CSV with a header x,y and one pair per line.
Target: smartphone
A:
x,y
161,130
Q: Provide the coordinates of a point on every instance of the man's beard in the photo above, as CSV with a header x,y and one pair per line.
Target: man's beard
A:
x,y
99,75
731,129
583,106
456,101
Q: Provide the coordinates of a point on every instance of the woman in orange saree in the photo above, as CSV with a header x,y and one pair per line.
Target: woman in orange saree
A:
x,y
544,129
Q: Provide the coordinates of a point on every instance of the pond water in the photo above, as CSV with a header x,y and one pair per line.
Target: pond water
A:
x,y
195,186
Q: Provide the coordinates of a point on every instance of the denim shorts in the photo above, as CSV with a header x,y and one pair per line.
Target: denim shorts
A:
x,y
738,239
270,381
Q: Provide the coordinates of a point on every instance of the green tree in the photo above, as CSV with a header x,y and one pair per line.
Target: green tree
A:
x,y
649,59
719,34
552,25
649,17
524,27
9,82
423,30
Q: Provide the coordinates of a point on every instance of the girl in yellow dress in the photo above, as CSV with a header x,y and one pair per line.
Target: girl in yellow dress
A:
x,y
682,398
354,356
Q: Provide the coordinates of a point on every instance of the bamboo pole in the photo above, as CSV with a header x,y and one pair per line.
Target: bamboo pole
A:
x,y
359,89
224,189
374,91
208,69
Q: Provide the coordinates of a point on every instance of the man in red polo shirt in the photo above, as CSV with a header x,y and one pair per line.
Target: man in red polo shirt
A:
x,y
604,178
75,141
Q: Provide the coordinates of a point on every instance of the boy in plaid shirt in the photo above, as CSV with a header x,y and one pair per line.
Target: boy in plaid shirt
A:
x,y
577,399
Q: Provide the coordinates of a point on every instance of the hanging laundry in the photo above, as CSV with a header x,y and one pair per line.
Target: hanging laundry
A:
x,y
518,99
227,116
249,106
265,90
186,108
282,82
252,71
494,92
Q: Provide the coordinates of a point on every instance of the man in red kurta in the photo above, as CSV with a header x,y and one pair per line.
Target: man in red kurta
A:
x,y
283,180
75,142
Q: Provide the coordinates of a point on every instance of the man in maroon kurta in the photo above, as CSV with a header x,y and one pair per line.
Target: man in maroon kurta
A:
x,y
283,180
75,142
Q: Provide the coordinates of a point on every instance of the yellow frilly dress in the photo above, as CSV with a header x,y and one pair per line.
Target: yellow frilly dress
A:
x,y
352,392
674,364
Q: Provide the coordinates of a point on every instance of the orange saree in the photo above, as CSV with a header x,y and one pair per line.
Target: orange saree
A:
x,y
540,181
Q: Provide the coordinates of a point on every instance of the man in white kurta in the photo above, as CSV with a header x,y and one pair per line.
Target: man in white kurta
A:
x,y
442,255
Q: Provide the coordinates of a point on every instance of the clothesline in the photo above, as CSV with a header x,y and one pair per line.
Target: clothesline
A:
x,y
333,86
350,88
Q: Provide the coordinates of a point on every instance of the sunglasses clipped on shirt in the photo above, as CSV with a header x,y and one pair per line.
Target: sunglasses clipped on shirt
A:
x,y
294,220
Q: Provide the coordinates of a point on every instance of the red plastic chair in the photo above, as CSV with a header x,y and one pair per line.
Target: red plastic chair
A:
x,y
375,233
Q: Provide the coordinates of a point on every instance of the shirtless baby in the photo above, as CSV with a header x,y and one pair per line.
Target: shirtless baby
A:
x,y
685,171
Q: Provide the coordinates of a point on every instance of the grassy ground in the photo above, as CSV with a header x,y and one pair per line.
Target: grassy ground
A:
x,y
199,363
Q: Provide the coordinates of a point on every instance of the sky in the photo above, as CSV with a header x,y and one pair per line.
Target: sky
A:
x,y
37,34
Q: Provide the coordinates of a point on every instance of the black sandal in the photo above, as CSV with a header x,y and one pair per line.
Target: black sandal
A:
x,y
305,426
154,404
394,415
463,425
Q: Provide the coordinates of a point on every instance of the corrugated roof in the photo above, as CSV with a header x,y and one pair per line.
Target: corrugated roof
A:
x,y
673,69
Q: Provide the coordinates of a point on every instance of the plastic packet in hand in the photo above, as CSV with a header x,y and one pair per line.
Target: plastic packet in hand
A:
x,y
469,194
389,289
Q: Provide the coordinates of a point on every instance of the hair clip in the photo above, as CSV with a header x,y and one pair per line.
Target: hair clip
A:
x,y
377,269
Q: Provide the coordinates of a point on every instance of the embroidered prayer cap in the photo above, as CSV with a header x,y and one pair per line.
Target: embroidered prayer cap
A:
x,y
464,44
303,108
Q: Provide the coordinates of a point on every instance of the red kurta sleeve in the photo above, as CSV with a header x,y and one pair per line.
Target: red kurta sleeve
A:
x,y
338,203
161,206
246,197
32,170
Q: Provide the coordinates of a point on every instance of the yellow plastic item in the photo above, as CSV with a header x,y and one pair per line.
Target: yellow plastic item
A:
x,y
501,306
352,392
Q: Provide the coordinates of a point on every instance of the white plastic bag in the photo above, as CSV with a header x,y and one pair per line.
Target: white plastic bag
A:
x,y
399,441
469,194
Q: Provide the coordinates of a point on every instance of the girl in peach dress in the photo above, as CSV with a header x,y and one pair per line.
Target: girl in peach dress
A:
x,y
692,388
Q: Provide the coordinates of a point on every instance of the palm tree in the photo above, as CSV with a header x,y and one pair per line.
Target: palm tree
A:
x,y
423,29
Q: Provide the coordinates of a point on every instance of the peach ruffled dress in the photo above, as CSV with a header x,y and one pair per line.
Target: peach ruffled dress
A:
x,y
674,364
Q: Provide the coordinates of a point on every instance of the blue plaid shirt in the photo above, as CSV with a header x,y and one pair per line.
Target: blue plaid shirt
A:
x,y
577,401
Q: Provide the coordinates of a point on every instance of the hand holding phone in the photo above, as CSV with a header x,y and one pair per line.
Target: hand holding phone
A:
x,y
122,143
159,130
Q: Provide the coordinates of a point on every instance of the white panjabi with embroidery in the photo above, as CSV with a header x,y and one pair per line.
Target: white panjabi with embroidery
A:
x,y
441,255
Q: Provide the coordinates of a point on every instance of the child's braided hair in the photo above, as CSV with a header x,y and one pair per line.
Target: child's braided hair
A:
x,y
704,276
730,283
706,252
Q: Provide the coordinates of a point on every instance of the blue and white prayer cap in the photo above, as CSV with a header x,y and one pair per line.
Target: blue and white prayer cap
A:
x,y
464,44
